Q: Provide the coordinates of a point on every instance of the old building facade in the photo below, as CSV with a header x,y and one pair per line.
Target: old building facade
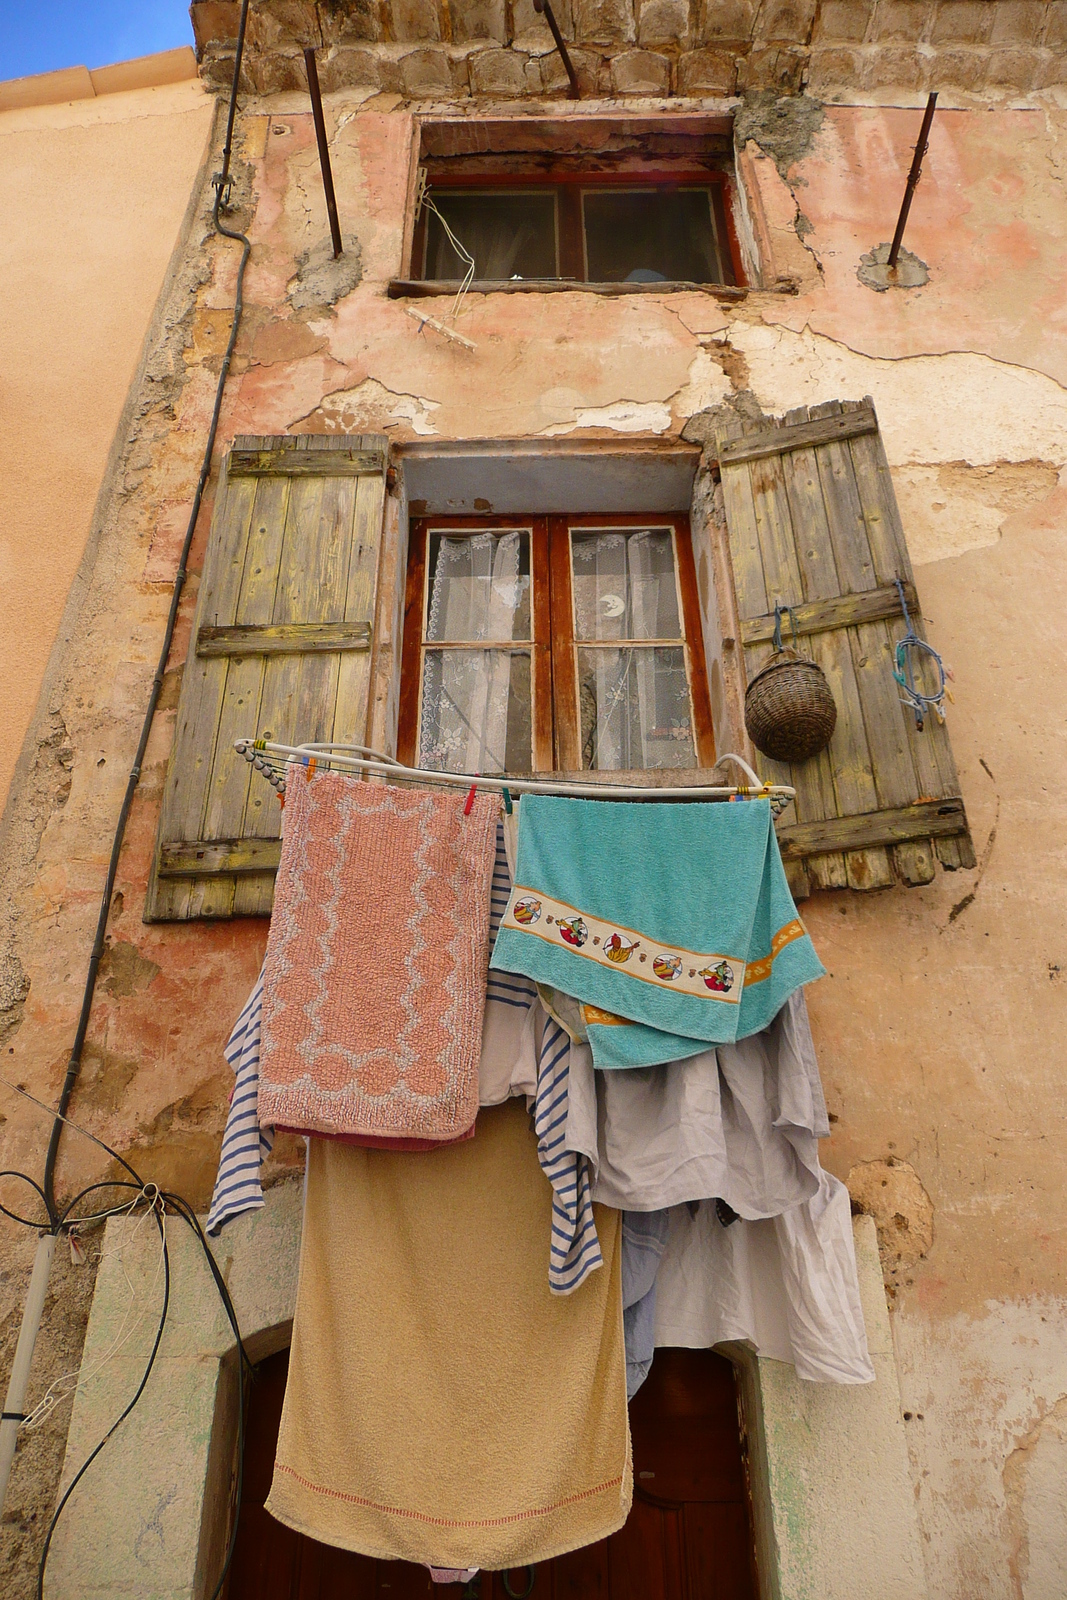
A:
x,y
939,1022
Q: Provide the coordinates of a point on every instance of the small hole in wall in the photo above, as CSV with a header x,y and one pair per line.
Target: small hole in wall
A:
x,y
907,1416
281,127
100,763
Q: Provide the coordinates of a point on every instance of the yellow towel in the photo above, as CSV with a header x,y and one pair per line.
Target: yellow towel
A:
x,y
442,1405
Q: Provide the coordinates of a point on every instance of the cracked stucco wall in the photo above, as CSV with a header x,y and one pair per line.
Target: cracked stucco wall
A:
x,y
938,1024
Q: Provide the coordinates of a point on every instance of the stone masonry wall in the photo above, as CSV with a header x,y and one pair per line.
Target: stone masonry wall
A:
x,y
453,49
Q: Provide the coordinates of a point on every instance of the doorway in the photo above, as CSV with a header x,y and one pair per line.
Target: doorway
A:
x,y
688,1536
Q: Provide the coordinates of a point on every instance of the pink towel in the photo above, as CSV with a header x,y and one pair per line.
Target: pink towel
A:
x,y
374,980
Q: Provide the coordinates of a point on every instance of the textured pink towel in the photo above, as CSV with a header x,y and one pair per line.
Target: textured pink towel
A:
x,y
374,981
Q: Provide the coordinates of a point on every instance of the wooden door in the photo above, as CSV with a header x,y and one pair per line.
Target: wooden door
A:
x,y
688,1536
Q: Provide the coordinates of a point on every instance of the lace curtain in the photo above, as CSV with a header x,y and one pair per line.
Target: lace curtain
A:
x,y
476,701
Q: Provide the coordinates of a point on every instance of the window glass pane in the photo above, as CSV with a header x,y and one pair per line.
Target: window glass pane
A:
x,y
645,235
479,587
476,711
635,709
509,234
624,585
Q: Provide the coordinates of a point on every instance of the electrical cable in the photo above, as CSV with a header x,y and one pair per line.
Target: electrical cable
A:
x,y
221,183
57,1220
158,1200
91,1457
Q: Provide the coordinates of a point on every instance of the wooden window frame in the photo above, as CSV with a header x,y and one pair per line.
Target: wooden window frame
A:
x,y
569,185
553,671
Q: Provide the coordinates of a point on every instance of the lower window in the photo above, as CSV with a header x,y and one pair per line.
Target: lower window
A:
x,y
533,643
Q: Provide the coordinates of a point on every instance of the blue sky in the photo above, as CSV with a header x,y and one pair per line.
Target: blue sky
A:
x,y
43,35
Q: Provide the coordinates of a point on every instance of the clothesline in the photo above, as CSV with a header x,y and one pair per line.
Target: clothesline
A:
x,y
271,759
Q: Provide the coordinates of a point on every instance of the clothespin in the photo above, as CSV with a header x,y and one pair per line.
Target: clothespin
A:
x,y
312,764
508,807
472,791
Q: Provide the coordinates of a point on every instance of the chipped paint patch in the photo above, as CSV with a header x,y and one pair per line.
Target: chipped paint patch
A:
x,y
931,408
368,407
626,416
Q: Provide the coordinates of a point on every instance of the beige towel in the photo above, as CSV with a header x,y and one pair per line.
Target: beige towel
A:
x,y
443,1406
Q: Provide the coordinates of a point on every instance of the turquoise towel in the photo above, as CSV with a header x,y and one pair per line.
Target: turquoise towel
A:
x,y
672,923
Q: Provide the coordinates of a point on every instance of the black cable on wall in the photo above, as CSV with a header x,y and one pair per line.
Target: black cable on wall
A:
x,y
221,183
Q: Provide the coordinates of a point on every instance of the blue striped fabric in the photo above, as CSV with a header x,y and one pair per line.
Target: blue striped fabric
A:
x,y
244,1144
575,1248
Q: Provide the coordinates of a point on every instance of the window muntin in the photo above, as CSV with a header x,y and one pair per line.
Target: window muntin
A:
x,y
555,642
511,233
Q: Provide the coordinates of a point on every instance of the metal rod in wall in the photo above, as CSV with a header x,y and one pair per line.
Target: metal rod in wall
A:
x,y
324,150
913,178
545,7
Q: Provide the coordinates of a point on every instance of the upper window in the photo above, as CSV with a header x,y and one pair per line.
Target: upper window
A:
x,y
623,231
598,200
542,642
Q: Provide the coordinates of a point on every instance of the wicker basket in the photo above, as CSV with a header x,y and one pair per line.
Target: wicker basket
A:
x,y
789,708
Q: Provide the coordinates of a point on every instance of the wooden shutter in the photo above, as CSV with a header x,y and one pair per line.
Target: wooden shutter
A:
x,y
813,523
280,649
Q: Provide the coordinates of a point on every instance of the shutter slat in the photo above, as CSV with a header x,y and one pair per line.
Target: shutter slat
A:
x,y
200,701
818,501
354,675
290,550
231,776
815,555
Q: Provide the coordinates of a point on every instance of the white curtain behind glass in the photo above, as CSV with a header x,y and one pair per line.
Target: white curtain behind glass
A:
x,y
476,595
625,588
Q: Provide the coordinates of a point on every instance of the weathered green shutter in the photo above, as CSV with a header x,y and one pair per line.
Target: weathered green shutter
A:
x,y
813,523
280,649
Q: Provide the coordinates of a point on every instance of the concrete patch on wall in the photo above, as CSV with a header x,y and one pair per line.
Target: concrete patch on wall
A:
x,y
932,408
783,125
956,507
322,278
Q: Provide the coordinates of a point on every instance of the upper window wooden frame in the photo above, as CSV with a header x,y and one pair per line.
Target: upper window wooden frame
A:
x,y
555,639
570,182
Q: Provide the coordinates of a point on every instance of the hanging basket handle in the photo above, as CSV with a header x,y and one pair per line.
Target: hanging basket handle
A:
x,y
778,646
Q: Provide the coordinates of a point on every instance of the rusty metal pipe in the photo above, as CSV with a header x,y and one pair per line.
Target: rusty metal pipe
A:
x,y
545,8
324,150
913,178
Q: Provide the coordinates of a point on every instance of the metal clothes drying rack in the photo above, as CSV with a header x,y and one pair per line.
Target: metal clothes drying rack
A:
x,y
271,760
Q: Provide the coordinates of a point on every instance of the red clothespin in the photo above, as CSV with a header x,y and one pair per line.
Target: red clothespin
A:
x,y
471,792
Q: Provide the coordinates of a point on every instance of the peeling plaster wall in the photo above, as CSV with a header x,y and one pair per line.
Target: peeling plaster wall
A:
x,y
939,1022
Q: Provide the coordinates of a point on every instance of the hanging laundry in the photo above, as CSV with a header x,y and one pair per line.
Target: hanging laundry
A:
x,y
733,1131
644,1239
787,1286
672,923
374,978
574,1250
511,1033
739,1123
442,1406
245,1144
